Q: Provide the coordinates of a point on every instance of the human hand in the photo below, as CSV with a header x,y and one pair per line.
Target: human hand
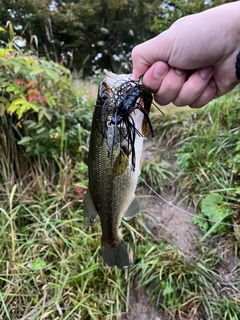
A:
x,y
194,60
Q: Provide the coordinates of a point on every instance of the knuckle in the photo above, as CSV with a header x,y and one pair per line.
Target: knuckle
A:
x,y
194,91
136,51
178,102
160,100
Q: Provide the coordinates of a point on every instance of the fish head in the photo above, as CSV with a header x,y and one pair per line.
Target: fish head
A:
x,y
118,98
108,102
123,108
113,79
109,82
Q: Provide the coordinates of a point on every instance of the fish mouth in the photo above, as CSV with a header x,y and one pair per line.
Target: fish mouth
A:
x,y
113,79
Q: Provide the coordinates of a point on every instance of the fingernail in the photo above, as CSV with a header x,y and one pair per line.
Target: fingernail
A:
x,y
212,83
180,72
205,72
160,69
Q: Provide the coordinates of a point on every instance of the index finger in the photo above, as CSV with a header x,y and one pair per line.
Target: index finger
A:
x,y
147,53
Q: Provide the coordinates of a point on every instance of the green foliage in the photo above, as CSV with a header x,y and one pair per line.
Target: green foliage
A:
x,y
184,287
24,79
41,114
207,153
54,257
90,35
157,174
48,250
170,11
170,298
206,146
85,35
214,211
234,162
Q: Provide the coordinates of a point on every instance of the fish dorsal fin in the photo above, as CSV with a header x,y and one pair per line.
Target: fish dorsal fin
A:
x,y
132,210
90,213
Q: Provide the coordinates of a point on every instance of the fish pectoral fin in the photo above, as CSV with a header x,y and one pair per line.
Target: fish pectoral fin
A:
x,y
90,213
132,210
116,256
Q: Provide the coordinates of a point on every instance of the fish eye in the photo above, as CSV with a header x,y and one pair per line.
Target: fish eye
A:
x,y
102,92
104,96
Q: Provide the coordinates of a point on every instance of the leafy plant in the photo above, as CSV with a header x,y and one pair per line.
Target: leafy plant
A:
x,y
214,211
41,115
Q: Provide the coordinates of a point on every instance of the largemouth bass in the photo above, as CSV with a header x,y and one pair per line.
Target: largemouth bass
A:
x,y
119,123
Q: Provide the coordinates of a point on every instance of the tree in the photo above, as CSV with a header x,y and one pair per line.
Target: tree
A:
x,y
89,35
85,35
171,10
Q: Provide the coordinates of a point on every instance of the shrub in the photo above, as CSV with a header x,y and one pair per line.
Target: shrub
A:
x,y
41,115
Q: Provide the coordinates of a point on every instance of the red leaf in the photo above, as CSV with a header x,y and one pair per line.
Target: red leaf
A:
x,y
31,84
9,55
42,99
33,92
80,192
21,83
32,98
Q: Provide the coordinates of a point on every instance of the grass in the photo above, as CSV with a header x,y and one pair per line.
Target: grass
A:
x,y
205,145
50,264
51,267
183,287
158,174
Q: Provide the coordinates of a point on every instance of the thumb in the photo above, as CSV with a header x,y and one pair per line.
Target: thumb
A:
x,y
147,53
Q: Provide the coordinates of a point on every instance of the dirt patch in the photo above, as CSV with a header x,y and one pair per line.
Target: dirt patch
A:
x,y
169,221
141,308
172,222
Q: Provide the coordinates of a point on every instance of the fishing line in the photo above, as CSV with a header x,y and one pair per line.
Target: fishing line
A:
x,y
182,210
175,206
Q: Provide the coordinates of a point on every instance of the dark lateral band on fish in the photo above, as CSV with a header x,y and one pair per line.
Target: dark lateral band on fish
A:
x,y
120,119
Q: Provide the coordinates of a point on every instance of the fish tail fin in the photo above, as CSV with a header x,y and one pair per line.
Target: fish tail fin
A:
x,y
116,256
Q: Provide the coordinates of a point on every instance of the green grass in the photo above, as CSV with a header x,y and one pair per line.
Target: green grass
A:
x,y
183,286
51,267
50,263
158,174
205,147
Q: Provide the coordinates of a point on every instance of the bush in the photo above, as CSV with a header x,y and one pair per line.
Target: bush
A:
x,y
41,115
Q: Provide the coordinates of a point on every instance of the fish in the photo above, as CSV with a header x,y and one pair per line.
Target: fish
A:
x,y
119,122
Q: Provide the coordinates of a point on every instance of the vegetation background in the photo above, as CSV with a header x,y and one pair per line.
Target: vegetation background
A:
x,y
89,35
51,58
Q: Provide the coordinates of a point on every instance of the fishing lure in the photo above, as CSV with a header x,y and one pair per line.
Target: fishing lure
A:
x,y
117,109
